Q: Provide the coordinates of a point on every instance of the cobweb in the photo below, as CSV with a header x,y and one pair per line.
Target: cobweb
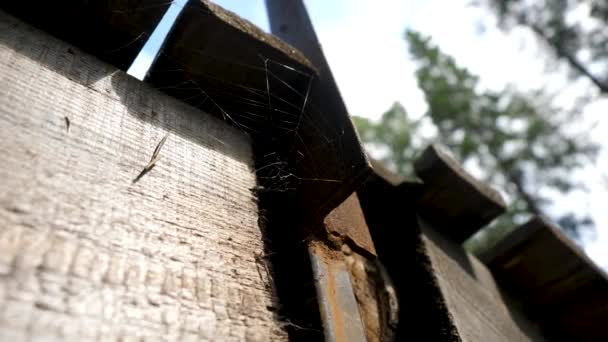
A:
x,y
259,109
278,114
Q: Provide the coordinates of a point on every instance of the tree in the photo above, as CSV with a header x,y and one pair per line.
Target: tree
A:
x,y
393,138
520,142
573,31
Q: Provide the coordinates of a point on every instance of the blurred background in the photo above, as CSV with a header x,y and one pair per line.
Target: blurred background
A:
x,y
515,89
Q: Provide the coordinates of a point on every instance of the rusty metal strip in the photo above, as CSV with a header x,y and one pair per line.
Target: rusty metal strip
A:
x,y
337,302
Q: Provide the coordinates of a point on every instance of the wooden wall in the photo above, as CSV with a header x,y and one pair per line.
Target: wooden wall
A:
x,y
89,250
87,254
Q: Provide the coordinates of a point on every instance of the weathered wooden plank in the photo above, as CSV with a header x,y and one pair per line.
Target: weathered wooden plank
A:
x,y
113,30
347,220
444,293
561,288
455,202
87,254
289,21
308,150
480,312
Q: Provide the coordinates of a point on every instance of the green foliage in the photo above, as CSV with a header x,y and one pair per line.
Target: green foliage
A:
x,y
573,31
395,132
518,141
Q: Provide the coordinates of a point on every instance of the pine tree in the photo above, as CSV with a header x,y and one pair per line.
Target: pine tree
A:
x,y
519,142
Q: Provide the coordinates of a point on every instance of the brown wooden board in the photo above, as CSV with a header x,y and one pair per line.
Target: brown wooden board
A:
x,y
85,253
390,213
453,201
347,221
476,305
381,172
113,30
306,150
561,288
445,294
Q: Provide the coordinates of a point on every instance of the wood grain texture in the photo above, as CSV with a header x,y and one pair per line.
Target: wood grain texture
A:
x,y
477,307
85,253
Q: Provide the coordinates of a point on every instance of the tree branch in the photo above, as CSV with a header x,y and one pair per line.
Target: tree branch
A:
x,y
573,61
517,180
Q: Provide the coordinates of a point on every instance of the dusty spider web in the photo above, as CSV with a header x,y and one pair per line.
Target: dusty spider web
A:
x,y
262,105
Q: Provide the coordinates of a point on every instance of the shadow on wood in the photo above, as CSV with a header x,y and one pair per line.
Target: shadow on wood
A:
x,y
555,282
114,31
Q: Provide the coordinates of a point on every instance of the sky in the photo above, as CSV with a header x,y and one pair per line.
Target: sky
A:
x,y
147,56
364,44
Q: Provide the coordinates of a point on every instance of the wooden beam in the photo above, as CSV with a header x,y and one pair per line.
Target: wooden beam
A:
x,y
448,293
86,253
478,309
561,288
391,215
347,220
219,62
289,20
114,30
453,201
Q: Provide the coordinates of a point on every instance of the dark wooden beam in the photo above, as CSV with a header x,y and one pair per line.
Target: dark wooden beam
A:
x,y
453,201
448,293
389,207
290,21
347,220
561,288
114,31
308,148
